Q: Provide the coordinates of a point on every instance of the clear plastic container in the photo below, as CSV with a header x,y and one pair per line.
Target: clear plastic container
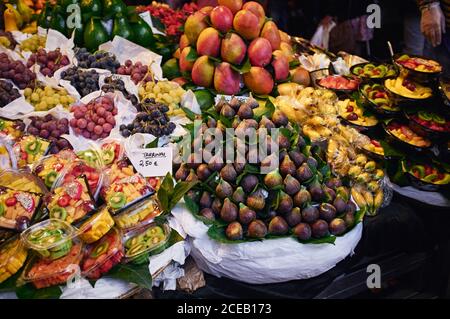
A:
x,y
49,167
112,150
96,226
12,257
101,256
7,158
71,200
29,149
93,175
17,208
145,241
11,128
139,215
44,273
126,192
51,239
21,180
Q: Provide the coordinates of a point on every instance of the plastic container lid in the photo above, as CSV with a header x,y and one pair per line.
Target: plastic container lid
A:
x,y
49,167
22,180
146,240
45,273
101,256
17,208
96,226
51,238
12,257
137,216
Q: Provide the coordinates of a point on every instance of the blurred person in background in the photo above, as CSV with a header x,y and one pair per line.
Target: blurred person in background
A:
x,y
414,40
435,25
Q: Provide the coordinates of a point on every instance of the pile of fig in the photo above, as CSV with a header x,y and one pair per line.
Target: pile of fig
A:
x,y
299,197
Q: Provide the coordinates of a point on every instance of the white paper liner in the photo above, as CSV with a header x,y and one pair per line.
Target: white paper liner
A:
x,y
263,262
17,108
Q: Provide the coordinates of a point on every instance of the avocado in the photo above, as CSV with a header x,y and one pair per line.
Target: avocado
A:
x,y
94,7
33,147
143,34
113,7
58,213
118,200
122,28
94,34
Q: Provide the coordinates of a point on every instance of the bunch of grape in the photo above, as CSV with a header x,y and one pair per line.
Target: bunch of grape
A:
x,y
98,60
46,98
151,119
8,93
50,128
48,61
138,72
7,40
85,82
112,85
94,120
167,92
33,43
16,71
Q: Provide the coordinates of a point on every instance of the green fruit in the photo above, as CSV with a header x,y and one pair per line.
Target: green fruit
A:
x,y
108,156
171,70
61,250
33,147
113,7
430,178
122,28
94,34
93,7
438,119
44,17
100,250
57,20
425,116
418,168
118,200
50,179
2,210
143,34
58,213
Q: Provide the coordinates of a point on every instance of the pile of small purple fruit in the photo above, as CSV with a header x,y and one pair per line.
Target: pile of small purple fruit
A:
x,y
49,62
99,60
299,197
16,71
151,119
85,82
137,71
49,127
8,93
112,85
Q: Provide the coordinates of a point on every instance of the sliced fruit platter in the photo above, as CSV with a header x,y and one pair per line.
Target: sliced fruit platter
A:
x,y
17,208
339,83
29,149
93,175
375,149
139,215
405,89
373,71
401,134
96,226
417,67
12,129
425,176
356,115
49,167
379,99
429,123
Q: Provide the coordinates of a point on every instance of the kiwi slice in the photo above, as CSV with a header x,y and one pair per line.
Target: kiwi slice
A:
x,y
100,250
61,250
58,213
50,179
117,200
33,147
136,249
438,119
2,210
108,156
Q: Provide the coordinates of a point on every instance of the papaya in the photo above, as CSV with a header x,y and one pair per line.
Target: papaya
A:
x,y
93,7
122,28
143,34
94,34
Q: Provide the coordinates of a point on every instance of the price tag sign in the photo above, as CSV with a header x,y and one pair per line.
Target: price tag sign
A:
x,y
152,162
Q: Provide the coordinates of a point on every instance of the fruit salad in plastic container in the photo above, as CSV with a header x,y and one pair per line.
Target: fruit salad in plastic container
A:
x,y
111,152
140,243
29,149
101,256
94,176
96,226
51,239
139,215
49,167
11,129
12,257
44,273
127,191
17,208
21,180
71,200
118,171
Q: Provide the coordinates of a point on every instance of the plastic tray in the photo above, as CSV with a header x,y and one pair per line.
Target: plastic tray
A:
x,y
71,200
18,208
22,180
12,257
139,215
39,238
45,273
100,257
137,250
27,158
96,226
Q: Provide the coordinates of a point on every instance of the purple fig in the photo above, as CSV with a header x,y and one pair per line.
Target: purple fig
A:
x,y
291,185
249,182
208,213
340,205
246,215
239,167
297,157
203,172
283,142
278,226
216,206
227,111
285,203
273,179
337,226
287,166
279,118
266,123
302,231
216,164
192,177
319,228
310,214
239,195
304,173
212,123
327,212
257,229
351,207
229,211
349,219
245,112
294,217
235,103
312,162
224,189
205,200
182,173
228,173
329,194
256,201
234,231
302,198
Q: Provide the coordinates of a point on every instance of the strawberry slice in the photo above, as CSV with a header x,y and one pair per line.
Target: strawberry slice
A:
x,y
375,143
64,200
74,190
